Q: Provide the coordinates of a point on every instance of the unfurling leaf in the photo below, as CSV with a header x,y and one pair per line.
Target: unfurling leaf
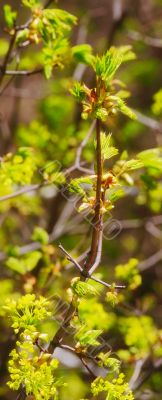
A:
x,y
83,53
9,16
83,289
87,337
107,150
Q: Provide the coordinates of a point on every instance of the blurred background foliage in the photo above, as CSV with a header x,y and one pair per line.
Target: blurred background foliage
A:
x,y
42,116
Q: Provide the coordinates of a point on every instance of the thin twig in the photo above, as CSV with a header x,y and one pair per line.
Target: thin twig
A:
x,y
150,261
153,230
148,121
70,258
85,273
154,42
87,367
105,283
23,72
25,189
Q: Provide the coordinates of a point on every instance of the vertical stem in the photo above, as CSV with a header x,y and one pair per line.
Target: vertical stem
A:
x,y
97,220
7,57
96,244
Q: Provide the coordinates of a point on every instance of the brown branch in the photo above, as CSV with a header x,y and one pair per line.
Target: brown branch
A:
x,y
87,367
81,356
57,340
97,220
70,258
72,309
7,57
85,273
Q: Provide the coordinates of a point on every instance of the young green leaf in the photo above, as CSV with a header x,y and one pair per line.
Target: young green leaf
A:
x,y
107,150
9,16
87,337
106,65
157,105
31,3
25,263
152,159
125,109
83,289
40,235
83,53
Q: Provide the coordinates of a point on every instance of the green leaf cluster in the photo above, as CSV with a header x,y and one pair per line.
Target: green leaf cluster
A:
x,y
116,389
129,273
85,338
27,312
152,160
106,360
35,373
107,65
102,101
140,334
24,264
89,309
17,168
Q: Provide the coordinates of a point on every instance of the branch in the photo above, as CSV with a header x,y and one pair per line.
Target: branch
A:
x,y
142,377
150,261
153,230
36,186
25,189
87,367
70,258
97,220
80,355
24,73
147,121
85,273
71,310
137,372
154,42
7,57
